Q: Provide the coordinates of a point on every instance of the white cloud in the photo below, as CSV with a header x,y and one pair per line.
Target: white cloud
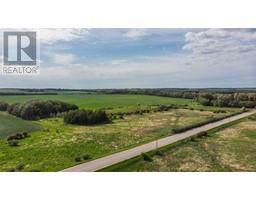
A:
x,y
136,33
50,36
63,58
221,41
118,61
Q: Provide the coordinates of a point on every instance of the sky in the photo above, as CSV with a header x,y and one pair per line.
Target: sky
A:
x,y
142,58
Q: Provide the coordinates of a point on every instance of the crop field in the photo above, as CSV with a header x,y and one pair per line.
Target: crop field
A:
x,y
95,101
114,102
56,145
231,148
10,125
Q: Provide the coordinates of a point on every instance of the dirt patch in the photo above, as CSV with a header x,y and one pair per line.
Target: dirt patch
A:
x,y
251,125
229,159
229,133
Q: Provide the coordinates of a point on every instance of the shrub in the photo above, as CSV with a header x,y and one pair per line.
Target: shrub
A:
x,y
86,117
25,134
193,138
13,143
203,134
3,106
17,136
78,159
162,108
159,153
86,157
146,157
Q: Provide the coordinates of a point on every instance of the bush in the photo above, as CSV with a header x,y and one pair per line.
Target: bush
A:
x,y
146,157
202,134
3,106
13,143
159,153
86,157
86,117
17,136
78,159
25,134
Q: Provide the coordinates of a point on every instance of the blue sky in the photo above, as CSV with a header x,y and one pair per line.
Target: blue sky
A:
x,y
128,58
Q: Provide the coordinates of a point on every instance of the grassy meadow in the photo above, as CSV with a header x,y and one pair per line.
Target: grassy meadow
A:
x,y
56,145
230,148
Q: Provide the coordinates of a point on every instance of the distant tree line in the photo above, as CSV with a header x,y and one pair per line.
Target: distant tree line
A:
x,y
224,97
39,109
238,100
26,93
86,117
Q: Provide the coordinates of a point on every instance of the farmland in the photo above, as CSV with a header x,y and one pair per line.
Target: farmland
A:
x,y
53,145
10,125
94,101
229,148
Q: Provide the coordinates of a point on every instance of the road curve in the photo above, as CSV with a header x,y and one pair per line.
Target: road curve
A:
x,y
115,158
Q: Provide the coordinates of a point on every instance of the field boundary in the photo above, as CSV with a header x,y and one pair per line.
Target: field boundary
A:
x,y
115,158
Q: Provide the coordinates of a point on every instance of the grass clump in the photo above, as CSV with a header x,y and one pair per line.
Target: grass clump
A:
x,y
146,157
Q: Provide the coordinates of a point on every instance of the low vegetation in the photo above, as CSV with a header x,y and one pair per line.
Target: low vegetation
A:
x,y
211,120
57,144
228,148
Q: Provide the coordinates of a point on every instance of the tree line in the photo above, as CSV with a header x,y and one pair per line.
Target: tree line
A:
x,y
86,117
37,109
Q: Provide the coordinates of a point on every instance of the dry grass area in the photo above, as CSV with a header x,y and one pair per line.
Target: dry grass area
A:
x,y
231,149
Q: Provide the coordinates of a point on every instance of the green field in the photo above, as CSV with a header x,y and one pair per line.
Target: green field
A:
x,y
114,102
10,125
229,149
56,145
94,101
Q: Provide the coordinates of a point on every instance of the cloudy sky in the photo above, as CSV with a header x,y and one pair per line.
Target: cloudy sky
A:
x,y
128,58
